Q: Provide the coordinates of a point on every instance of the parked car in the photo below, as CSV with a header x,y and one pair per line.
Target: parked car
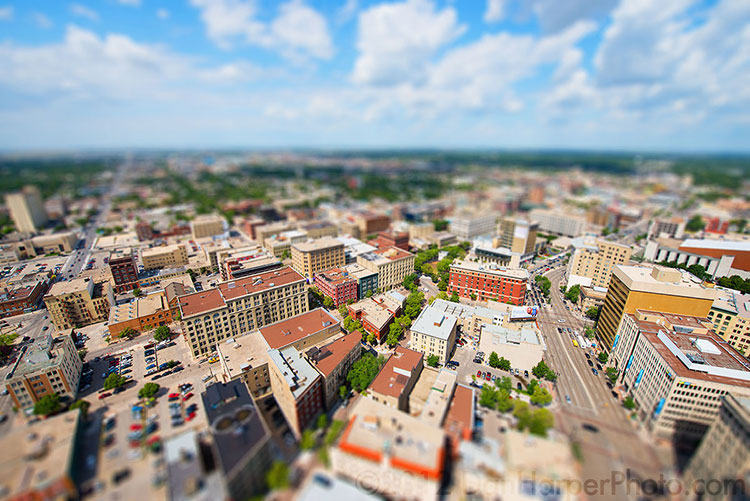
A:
x,y
104,395
174,396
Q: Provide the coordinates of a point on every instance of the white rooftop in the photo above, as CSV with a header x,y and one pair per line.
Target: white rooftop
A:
x,y
435,322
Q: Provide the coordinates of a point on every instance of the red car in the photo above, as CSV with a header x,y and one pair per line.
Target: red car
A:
x,y
187,397
174,396
136,426
104,395
488,377
479,374
190,416
135,444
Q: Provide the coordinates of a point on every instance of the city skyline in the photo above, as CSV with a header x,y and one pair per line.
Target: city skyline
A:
x,y
501,74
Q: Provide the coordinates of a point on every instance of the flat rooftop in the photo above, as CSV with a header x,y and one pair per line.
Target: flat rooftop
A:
x,y
374,313
439,398
459,420
69,286
162,249
393,253
293,329
329,356
243,353
490,269
334,276
298,373
318,245
41,354
662,280
392,378
435,322
710,243
504,336
138,308
357,271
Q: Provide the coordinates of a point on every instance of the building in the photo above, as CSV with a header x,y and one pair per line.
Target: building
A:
x,y
296,386
717,263
338,285
371,223
323,485
715,248
319,229
390,453
593,259
281,245
144,231
191,475
716,225
142,314
78,302
47,244
367,281
676,369
469,226
26,209
522,344
240,306
392,265
434,333
40,460
207,226
310,258
558,223
353,247
393,384
485,282
391,239
591,297
241,439
730,315
18,300
517,235
46,366
124,270
376,314
167,256
333,361
669,228
721,458
654,288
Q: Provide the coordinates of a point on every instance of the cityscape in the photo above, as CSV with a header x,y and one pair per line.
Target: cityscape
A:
x,y
431,251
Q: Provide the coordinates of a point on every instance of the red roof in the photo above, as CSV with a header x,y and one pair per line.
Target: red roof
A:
x,y
331,355
293,329
389,381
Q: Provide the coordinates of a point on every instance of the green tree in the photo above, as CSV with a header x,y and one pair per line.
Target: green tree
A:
x,y
114,381
148,391
589,332
8,339
503,364
48,404
162,333
488,397
540,370
473,296
343,311
413,304
327,302
494,360
410,282
533,385
343,392
602,357
541,421
573,293
127,332
544,284
696,223
612,374
541,396
504,402
629,403
395,333
504,383
278,476
307,442
363,371
522,412
440,224
372,339
81,404
82,354
454,297
136,292
433,360
322,421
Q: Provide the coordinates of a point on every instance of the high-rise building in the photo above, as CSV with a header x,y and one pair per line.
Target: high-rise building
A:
x,y
730,315
655,288
124,270
310,258
371,223
207,226
78,302
558,223
391,264
518,235
489,281
468,226
26,209
593,259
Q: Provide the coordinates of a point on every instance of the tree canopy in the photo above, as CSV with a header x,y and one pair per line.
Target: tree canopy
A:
x,y
48,404
162,333
114,381
363,371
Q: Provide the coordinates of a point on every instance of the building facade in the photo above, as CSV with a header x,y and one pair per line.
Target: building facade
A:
x,y
168,256
78,302
470,226
22,299
485,282
333,361
558,223
124,270
311,258
338,285
593,259
518,235
434,333
207,226
391,264
27,209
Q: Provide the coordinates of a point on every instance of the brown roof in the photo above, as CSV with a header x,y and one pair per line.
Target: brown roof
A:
x,y
335,276
390,382
293,329
393,253
259,282
201,302
458,420
331,355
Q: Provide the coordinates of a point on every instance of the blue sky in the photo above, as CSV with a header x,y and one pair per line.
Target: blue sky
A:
x,y
672,75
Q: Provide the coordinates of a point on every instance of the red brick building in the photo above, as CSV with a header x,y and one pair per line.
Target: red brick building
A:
x,y
338,285
16,301
716,225
386,239
124,271
488,281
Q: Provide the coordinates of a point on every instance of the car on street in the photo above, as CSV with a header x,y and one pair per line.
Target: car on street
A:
x,y
596,372
590,427
591,364
102,396
567,398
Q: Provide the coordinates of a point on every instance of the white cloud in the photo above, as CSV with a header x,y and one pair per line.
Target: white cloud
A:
x,y
556,15
162,14
83,11
298,30
346,12
130,3
495,11
396,41
6,13
41,20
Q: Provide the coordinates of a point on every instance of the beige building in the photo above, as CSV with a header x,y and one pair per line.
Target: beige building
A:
x,y
558,222
26,209
434,333
722,456
391,264
268,230
241,306
730,315
46,244
593,260
78,302
333,360
319,229
167,256
655,288
281,244
207,226
518,235
310,258
591,297
49,365
395,381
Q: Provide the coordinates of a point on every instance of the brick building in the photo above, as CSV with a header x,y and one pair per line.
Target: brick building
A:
x,y
488,282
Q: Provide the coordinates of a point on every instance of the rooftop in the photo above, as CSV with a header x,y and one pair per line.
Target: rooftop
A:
x,y
459,421
319,244
334,276
710,243
140,307
435,322
393,253
328,357
439,398
162,249
298,373
491,269
69,286
357,271
502,335
375,314
392,378
663,280
41,354
187,477
293,329
244,353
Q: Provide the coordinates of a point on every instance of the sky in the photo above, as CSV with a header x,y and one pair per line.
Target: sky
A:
x,y
641,75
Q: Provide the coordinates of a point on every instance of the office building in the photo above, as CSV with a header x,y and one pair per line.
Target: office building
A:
x,y
468,226
144,231
22,299
488,282
730,315
676,369
389,238
338,285
167,256
26,210
593,259
47,244
240,306
333,361
207,226
310,258
241,439
434,333
280,245
654,288
353,247
296,386
124,270
371,223
517,235
558,223
669,228
367,281
142,314
78,302
45,366
722,457
395,381
720,258
319,229
392,265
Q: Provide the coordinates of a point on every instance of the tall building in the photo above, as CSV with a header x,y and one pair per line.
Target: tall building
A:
x,y
518,235
27,209
558,223
124,270
676,370
392,239
207,226
593,259
367,280
656,288
671,228
730,315
371,223
391,264
469,226
333,360
487,282
240,306
144,231
722,458
434,333
165,256
310,258
78,302
48,365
